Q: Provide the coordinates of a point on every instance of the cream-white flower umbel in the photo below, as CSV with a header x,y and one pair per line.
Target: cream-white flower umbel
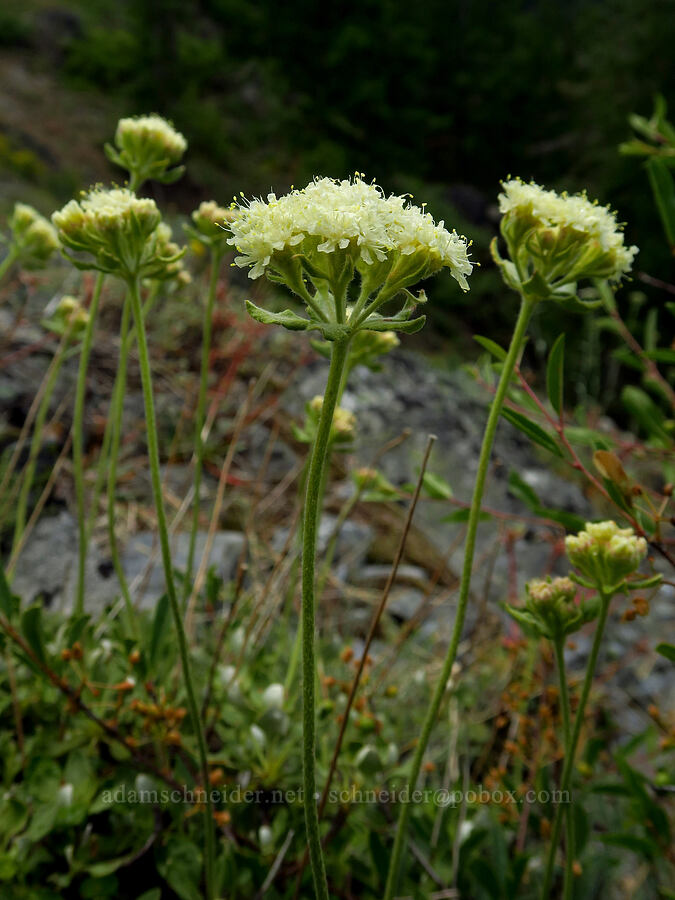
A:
x,y
329,215
120,231
563,237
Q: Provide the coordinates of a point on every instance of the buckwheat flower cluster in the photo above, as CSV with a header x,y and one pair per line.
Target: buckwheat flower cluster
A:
x,y
34,239
561,237
147,146
551,609
605,553
120,231
350,218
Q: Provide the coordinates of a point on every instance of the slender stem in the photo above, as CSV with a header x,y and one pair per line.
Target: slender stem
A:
x,y
309,534
153,458
558,646
568,768
102,464
8,261
36,443
116,413
216,256
78,454
469,550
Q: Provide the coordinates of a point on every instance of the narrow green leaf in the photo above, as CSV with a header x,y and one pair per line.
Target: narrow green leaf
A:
x,y
648,414
535,432
667,650
555,373
462,515
31,628
8,602
490,346
522,490
663,189
160,625
436,487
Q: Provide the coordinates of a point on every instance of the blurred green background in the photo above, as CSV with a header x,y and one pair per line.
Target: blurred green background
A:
x,y
441,98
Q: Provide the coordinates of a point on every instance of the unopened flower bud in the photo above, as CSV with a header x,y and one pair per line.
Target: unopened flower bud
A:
x,y
605,553
147,146
35,239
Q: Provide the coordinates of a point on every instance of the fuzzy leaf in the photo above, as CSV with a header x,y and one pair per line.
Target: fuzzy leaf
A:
x,y
287,318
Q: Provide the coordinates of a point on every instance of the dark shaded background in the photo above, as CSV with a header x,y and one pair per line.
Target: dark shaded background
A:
x,y
438,98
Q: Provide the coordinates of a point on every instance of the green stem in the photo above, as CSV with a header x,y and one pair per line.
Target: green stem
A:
x,y
469,550
568,768
153,458
116,414
558,646
309,534
199,418
36,443
102,464
78,455
8,261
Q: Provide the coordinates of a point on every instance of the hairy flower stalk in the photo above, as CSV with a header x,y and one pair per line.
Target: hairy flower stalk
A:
x,y
553,242
207,228
116,232
322,242
606,556
70,320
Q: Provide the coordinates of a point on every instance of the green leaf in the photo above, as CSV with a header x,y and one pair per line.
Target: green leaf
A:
x,y
462,515
160,626
180,865
287,318
570,521
535,432
490,346
662,355
379,323
667,650
555,374
648,414
522,490
587,437
632,842
8,602
31,628
436,487
663,189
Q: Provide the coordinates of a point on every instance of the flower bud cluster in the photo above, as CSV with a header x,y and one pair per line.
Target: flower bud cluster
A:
x,y
605,553
551,608
207,225
147,146
343,428
34,238
559,238
120,231
69,317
